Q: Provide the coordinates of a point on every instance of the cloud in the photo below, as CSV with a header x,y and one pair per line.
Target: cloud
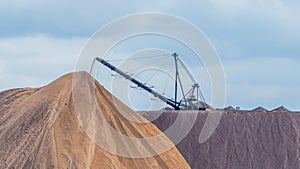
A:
x,y
36,60
273,10
266,81
262,27
253,28
67,18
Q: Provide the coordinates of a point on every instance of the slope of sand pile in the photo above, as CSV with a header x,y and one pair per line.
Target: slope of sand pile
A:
x,y
243,139
39,128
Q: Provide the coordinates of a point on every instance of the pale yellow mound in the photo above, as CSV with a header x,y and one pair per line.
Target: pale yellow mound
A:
x,y
39,128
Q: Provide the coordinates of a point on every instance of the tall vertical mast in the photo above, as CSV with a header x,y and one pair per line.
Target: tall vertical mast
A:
x,y
176,75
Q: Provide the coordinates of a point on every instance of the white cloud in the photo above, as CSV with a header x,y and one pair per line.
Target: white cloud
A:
x,y
263,81
36,60
277,12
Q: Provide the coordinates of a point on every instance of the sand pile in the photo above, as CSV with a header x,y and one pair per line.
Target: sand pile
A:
x,y
39,128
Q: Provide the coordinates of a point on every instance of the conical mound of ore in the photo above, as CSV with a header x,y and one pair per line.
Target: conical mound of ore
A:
x,y
55,127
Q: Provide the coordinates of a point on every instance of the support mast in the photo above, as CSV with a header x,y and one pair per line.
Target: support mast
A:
x,y
176,75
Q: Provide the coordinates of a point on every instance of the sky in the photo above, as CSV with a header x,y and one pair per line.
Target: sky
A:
x,y
257,42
